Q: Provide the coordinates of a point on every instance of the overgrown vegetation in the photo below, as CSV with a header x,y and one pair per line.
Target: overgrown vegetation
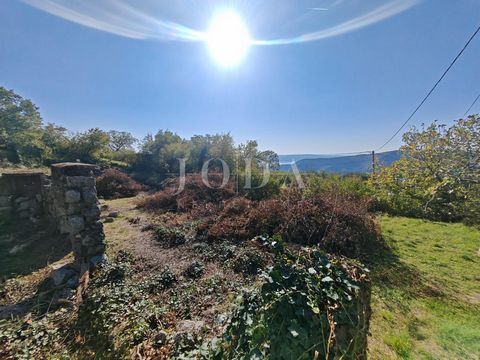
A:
x,y
308,307
439,175
115,184
338,223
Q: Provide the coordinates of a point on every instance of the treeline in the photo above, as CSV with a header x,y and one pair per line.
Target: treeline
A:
x,y
26,140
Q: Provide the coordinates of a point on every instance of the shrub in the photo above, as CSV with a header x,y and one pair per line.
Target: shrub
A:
x,y
195,194
257,191
160,201
353,185
248,262
162,281
195,270
308,307
172,237
337,222
114,184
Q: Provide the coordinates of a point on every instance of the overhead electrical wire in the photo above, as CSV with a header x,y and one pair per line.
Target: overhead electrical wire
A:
x,y
431,90
471,106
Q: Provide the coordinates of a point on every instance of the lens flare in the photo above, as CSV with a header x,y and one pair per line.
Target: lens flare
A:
x,y
228,39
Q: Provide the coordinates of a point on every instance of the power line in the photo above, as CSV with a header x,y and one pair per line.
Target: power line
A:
x,y
471,106
431,90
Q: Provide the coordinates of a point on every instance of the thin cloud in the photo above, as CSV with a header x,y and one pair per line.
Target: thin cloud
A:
x,y
118,18
125,21
379,14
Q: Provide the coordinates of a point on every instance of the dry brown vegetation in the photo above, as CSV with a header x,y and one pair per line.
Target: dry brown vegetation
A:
x,y
114,184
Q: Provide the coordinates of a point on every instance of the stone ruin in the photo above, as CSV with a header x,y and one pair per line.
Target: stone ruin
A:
x,y
67,199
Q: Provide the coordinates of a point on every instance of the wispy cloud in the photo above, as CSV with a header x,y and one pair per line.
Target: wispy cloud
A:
x,y
379,14
118,18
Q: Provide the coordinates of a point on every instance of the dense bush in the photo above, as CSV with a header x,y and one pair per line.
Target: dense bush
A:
x,y
170,236
309,307
195,193
116,184
261,186
439,176
354,185
339,223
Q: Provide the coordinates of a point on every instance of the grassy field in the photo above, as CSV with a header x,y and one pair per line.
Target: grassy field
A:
x,y
426,291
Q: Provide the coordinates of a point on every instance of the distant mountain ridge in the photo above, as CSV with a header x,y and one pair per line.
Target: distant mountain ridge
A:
x,y
287,159
341,164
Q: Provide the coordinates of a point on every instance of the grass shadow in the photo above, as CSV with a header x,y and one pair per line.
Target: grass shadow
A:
x,y
389,272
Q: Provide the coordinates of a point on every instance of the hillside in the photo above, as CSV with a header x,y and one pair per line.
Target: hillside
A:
x,y
344,164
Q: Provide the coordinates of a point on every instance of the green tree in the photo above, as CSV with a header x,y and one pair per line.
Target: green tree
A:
x,y
20,129
439,175
121,140
89,146
55,143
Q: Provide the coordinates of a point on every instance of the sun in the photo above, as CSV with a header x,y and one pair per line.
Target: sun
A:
x,y
228,39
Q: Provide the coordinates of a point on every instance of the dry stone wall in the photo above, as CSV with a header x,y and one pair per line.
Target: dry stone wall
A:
x,y
22,195
68,199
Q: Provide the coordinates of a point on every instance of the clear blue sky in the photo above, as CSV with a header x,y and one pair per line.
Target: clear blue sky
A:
x,y
342,93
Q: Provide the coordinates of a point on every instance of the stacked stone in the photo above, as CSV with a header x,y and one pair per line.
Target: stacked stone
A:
x,y
21,195
74,203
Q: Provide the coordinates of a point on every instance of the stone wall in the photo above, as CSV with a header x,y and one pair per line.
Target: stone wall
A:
x,y
68,199
22,195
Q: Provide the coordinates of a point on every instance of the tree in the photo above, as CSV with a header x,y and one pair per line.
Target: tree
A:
x,y
121,140
439,175
20,129
89,146
55,142
260,159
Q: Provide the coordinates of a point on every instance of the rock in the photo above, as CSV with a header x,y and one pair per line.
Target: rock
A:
x,y
61,275
92,212
190,327
89,196
105,207
26,205
99,249
98,259
80,181
114,214
73,209
76,224
109,219
72,196
220,319
161,338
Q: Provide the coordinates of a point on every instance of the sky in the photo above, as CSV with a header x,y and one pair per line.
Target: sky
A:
x,y
322,76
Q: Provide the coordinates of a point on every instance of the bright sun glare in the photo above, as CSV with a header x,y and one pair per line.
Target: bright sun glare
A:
x,y
228,39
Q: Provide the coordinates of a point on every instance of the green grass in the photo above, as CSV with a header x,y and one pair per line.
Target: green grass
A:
x,y
426,291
